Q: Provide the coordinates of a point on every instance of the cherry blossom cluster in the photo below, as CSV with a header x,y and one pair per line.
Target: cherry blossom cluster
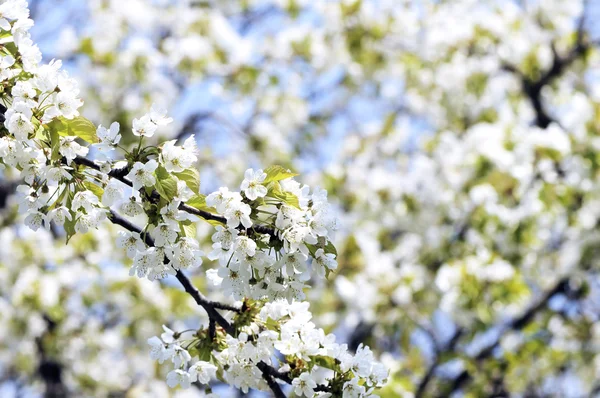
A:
x,y
265,234
271,265
44,126
460,67
316,365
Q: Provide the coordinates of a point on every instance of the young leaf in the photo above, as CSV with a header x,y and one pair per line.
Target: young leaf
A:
x,y
191,178
188,228
330,248
199,202
55,144
288,198
96,190
69,226
326,362
166,185
76,127
277,173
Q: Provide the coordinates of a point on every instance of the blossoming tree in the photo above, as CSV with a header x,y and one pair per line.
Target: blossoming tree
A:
x,y
264,235
457,141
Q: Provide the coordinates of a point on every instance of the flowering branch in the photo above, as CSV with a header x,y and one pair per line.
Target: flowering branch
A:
x,y
121,173
209,306
270,237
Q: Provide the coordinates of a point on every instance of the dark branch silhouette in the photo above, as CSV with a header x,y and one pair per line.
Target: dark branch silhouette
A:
x,y
515,324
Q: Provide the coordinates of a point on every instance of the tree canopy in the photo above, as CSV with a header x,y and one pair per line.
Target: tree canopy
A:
x,y
306,198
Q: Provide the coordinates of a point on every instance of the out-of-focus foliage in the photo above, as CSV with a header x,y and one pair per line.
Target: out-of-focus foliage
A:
x,y
459,139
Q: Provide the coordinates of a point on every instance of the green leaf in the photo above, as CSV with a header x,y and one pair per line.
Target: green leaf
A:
x,y
70,228
54,144
166,185
188,228
76,127
277,173
288,198
330,248
69,225
199,202
326,362
191,178
96,190
87,47
272,324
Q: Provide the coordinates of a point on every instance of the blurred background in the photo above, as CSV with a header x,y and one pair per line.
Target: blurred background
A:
x,y
459,141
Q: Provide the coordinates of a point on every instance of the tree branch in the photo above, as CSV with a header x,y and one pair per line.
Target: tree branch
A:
x,y
515,324
210,307
533,88
422,388
120,174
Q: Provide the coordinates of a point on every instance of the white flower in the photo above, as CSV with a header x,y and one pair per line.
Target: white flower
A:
x,y
180,357
245,247
142,175
221,253
326,260
296,237
172,215
176,158
203,372
57,173
131,207
158,116
158,351
90,220
60,214
186,254
28,198
30,53
6,61
70,149
67,104
144,127
304,385
18,120
222,199
113,193
238,213
164,234
178,376
252,184
131,242
24,91
46,76
111,136
168,335
160,269
352,389
295,263
35,220
144,261
84,199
